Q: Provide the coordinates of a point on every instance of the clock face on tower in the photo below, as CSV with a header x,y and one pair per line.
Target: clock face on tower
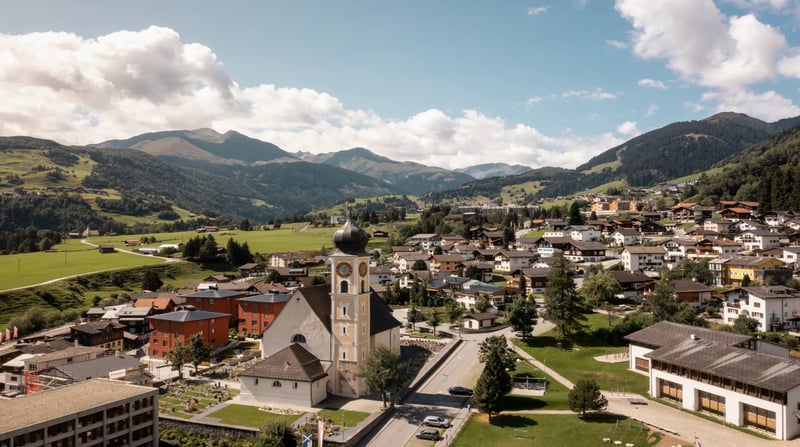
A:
x,y
344,269
362,269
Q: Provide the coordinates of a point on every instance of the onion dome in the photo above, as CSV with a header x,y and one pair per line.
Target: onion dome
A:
x,y
350,238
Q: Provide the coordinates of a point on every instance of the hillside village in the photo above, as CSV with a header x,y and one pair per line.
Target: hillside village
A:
x,y
751,256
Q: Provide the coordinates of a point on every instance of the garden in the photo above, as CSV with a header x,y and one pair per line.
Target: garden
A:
x,y
185,399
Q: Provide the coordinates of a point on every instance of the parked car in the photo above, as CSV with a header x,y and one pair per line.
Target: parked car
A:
x,y
459,391
428,433
436,421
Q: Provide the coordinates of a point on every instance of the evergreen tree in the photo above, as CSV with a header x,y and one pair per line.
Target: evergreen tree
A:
x,y
494,382
151,280
586,396
563,307
575,215
277,434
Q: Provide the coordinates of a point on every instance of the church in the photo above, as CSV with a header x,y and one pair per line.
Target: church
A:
x,y
316,345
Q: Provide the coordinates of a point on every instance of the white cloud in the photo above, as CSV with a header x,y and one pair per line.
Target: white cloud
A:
x,y
651,110
652,83
535,11
759,4
596,94
617,44
628,129
79,91
708,49
769,106
530,102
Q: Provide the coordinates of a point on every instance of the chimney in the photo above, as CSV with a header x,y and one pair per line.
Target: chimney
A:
x,y
693,336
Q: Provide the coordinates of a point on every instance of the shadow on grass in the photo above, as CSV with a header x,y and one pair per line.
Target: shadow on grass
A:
x,y
602,418
512,421
518,403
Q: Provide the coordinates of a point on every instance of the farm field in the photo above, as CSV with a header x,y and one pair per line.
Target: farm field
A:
x,y
66,259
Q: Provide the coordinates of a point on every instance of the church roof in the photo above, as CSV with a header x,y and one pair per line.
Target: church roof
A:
x,y
291,363
381,318
319,299
350,238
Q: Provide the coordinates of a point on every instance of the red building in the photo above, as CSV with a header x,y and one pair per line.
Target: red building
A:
x,y
166,330
215,300
257,312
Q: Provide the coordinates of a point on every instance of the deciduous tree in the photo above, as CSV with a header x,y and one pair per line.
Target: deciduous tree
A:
x,y
382,370
198,351
521,315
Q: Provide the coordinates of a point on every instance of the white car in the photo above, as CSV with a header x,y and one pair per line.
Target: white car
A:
x,y
436,421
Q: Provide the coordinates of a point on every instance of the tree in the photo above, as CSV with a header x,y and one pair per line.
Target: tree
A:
x,y
562,304
663,304
494,382
453,311
600,287
177,357
382,370
419,264
277,434
482,304
198,351
151,280
586,396
413,316
521,315
473,272
746,280
745,325
575,215
433,320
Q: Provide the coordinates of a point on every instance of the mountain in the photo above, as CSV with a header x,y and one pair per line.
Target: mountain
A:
x,y
205,145
493,170
673,151
768,173
405,177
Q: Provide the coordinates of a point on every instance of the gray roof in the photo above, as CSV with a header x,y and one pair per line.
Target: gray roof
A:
x,y
665,333
213,293
291,363
133,312
687,285
380,315
96,327
98,367
267,298
188,315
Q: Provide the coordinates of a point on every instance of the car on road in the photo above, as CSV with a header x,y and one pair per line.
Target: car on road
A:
x,y
459,391
428,433
436,421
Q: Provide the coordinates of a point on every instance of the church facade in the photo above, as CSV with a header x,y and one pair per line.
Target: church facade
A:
x,y
317,344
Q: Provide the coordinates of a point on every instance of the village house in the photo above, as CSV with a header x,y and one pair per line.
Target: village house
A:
x,y
789,255
583,233
776,308
446,263
579,251
692,293
167,330
632,284
535,279
510,260
479,320
215,300
736,270
721,226
643,258
624,237
753,240
425,241
712,372
256,312
100,334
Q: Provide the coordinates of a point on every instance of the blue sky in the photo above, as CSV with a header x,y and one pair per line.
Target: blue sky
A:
x,y
446,83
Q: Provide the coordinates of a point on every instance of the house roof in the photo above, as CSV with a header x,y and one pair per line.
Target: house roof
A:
x,y
380,315
629,277
267,298
641,250
187,315
69,352
213,293
291,363
160,303
319,299
750,261
134,312
539,272
689,286
99,366
96,327
717,353
483,316
768,292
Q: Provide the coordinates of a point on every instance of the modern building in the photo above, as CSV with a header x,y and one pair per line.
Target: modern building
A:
x,y
97,412
721,374
636,259
258,311
168,329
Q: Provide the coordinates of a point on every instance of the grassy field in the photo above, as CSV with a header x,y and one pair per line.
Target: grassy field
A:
x,y
249,416
67,259
552,430
578,361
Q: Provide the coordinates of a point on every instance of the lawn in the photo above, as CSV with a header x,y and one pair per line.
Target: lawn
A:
x,y
555,397
66,259
185,399
552,430
249,416
577,361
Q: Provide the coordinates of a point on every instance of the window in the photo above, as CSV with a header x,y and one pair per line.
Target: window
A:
x,y
276,384
298,338
344,355
363,329
344,330
164,343
344,310
294,385
255,381
343,287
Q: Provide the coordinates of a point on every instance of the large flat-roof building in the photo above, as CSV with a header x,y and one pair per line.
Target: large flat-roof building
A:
x,y
734,377
98,412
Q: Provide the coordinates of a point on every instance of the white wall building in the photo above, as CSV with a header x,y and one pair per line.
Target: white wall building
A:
x,y
772,306
637,259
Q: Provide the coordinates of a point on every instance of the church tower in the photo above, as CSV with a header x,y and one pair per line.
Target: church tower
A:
x,y
350,309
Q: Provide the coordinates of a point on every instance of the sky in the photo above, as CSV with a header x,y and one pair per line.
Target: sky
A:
x,y
448,83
